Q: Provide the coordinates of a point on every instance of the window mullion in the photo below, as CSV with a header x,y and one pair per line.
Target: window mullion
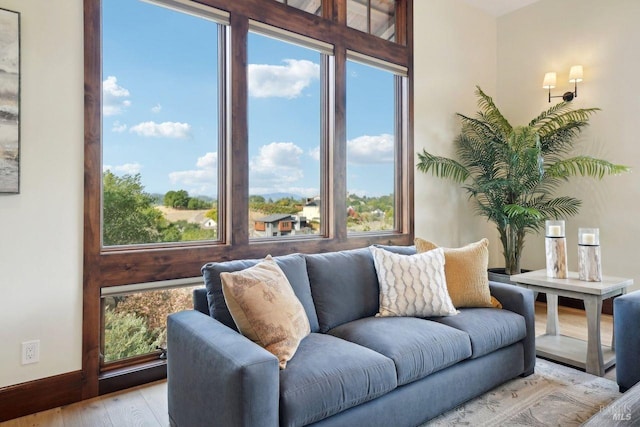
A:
x,y
339,147
327,195
399,137
239,155
368,16
224,129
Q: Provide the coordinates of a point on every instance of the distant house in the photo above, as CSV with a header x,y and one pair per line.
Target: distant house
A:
x,y
209,224
311,210
277,225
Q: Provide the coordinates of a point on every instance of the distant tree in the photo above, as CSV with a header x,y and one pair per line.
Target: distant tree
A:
x,y
168,199
171,232
129,216
176,199
212,213
197,204
195,232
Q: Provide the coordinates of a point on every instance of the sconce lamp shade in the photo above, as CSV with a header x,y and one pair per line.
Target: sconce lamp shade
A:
x,y
549,81
575,75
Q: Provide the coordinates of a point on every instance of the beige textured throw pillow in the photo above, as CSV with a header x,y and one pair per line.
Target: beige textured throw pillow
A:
x,y
265,309
466,272
412,285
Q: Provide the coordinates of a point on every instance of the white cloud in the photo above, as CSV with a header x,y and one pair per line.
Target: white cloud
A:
x,y
209,160
314,153
118,127
125,169
368,149
275,168
203,179
162,130
156,108
282,81
114,97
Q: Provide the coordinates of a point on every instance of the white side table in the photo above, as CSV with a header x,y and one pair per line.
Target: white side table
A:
x,y
591,355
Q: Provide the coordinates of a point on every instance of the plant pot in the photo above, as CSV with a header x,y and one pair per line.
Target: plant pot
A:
x,y
499,275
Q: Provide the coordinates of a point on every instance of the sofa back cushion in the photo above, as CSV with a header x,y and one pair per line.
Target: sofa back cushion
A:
x,y
293,266
401,250
344,286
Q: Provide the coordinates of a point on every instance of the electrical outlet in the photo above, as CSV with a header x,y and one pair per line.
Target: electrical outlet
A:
x,y
30,352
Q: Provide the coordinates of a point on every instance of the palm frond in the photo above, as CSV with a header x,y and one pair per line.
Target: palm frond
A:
x,y
559,207
563,117
554,110
584,166
442,167
491,113
476,154
514,211
479,127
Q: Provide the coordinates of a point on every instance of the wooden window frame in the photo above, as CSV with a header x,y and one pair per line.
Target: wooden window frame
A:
x,y
105,267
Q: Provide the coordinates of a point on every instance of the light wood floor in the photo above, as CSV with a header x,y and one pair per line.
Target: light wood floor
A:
x,y
147,405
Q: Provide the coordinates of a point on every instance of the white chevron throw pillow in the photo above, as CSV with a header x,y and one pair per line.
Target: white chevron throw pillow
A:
x,y
412,285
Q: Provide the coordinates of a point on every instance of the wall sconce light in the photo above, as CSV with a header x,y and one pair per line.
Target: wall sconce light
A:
x,y
575,76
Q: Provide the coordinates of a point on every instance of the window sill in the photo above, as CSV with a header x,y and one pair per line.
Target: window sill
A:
x,y
132,376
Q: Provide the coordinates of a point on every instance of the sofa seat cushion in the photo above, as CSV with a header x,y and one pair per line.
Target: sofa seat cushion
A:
x,y
418,347
489,328
328,375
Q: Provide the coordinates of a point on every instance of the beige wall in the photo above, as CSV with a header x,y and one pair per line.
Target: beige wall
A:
x,y
552,35
41,228
455,50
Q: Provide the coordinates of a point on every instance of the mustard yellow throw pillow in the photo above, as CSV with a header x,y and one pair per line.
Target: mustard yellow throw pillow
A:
x,y
265,309
465,269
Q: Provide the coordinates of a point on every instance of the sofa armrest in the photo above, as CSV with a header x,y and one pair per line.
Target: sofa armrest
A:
x,y
626,318
520,300
215,376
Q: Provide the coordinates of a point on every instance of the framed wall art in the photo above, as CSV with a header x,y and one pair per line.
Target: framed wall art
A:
x,y
9,101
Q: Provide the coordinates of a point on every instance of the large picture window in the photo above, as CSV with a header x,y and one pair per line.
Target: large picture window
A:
x,y
219,130
371,148
160,131
284,113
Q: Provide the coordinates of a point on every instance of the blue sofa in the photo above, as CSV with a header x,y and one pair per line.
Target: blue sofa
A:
x,y
354,369
626,320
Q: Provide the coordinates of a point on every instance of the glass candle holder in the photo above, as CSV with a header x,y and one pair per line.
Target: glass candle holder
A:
x,y
554,228
556,249
589,257
589,236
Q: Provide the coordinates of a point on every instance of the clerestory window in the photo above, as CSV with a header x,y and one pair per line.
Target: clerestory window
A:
x,y
311,6
376,17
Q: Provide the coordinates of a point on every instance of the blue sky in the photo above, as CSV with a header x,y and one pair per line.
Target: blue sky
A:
x,y
160,108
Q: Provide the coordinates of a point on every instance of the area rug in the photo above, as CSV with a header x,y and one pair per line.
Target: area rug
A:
x,y
555,395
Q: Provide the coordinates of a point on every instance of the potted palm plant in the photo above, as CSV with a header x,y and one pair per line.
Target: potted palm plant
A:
x,y
511,172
